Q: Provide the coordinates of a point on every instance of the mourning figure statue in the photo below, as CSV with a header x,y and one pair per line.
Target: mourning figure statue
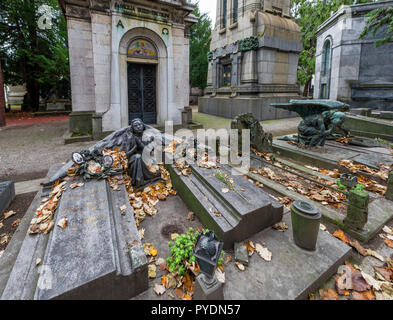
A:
x,y
322,119
129,139
315,129
134,146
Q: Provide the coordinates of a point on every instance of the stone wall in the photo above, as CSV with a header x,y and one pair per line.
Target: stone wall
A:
x,y
360,74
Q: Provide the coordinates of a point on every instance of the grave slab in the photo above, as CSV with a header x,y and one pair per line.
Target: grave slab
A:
x,y
380,209
7,194
327,156
229,215
97,256
293,273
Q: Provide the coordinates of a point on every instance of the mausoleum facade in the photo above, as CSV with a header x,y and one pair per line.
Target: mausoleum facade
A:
x,y
350,69
253,59
128,59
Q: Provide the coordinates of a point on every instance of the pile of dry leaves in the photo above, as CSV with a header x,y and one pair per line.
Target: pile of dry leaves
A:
x,y
382,173
298,184
353,282
43,220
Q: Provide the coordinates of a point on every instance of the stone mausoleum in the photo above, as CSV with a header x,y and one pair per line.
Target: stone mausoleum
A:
x,y
350,69
253,59
128,59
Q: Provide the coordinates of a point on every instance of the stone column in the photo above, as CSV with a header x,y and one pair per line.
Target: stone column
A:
x,y
357,210
81,68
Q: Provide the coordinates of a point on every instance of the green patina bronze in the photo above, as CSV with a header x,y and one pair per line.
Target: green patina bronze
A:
x,y
250,43
321,119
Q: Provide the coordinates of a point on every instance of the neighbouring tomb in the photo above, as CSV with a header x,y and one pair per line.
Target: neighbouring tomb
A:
x,y
7,194
350,69
128,59
321,119
253,59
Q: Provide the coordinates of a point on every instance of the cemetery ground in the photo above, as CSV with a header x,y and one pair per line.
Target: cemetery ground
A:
x,y
29,150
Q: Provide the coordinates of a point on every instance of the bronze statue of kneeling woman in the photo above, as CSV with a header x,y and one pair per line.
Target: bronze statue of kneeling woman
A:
x,y
137,169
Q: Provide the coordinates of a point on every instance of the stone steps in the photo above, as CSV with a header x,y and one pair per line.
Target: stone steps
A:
x,y
231,217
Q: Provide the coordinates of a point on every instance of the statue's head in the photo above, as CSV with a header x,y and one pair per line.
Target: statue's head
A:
x,y
335,117
338,118
137,125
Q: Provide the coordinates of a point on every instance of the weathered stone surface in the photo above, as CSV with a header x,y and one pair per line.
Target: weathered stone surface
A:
x,y
389,191
97,256
380,209
7,194
204,291
259,140
231,217
369,127
241,254
292,273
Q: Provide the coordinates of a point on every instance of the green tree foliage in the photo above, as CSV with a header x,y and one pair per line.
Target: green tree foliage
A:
x,y
309,15
199,47
37,57
380,19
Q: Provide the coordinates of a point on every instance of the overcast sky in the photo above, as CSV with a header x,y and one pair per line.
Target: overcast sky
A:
x,y
208,6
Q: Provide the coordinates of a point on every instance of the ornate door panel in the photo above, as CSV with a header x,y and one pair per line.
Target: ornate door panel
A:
x,y
142,92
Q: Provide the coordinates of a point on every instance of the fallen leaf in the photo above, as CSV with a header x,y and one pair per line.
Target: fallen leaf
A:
x,y
151,271
388,230
4,238
263,252
1,225
188,283
240,266
9,214
171,295
37,261
15,223
389,243
153,252
250,247
190,216
385,272
159,289
330,294
171,281
220,275
366,295
62,223
174,235
280,226
224,190
354,279
179,292
141,232
187,297
341,235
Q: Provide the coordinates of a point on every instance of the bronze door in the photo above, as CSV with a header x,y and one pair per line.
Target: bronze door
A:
x,y
142,92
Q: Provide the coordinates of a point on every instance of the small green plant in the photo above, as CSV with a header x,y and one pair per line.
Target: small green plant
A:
x,y
340,185
221,177
181,251
384,142
359,187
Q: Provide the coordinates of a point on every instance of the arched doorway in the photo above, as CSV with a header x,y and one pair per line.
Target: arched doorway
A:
x,y
147,67
142,76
